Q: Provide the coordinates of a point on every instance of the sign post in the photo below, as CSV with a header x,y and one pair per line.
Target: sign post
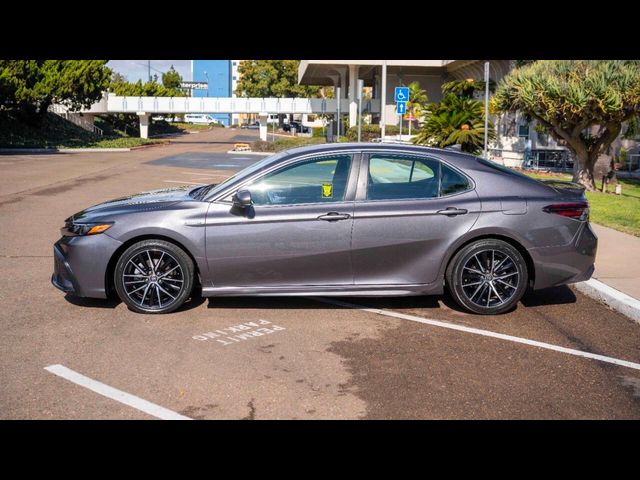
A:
x,y
401,97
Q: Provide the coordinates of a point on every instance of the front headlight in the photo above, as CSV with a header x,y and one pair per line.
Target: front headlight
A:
x,y
72,229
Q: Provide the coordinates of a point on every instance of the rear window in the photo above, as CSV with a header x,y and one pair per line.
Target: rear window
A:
x,y
503,169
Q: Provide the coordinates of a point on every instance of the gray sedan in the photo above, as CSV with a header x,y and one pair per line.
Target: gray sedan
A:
x,y
335,220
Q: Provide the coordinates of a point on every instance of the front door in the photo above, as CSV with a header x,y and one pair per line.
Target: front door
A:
x,y
297,233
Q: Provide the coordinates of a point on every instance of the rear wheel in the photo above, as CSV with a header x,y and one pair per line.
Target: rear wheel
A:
x,y
487,277
154,276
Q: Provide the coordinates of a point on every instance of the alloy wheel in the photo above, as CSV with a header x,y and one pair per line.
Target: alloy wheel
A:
x,y
490,278
153,279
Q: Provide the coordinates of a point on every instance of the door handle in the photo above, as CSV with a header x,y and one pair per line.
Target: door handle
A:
x,y
452,211
334,217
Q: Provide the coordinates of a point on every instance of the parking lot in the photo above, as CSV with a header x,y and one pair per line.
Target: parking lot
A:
x,y
559,355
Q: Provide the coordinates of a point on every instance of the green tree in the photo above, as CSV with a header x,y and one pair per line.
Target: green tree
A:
x,y
455,121
417,101
466,88
31,86
272,78
139,89
580,102
171,79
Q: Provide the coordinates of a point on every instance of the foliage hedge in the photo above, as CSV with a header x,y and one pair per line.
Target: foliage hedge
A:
x,y
370,132
285,143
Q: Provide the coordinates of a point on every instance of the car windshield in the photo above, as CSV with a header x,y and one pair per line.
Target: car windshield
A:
x,y
216,188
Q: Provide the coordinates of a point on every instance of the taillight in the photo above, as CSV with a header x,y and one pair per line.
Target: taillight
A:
x,y
578,210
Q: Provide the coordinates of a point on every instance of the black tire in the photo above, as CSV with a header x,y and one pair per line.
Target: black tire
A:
x,y
170,285
487,277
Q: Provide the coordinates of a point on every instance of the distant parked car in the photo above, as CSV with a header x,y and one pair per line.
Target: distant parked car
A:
x,y
297,125
251,126
200,119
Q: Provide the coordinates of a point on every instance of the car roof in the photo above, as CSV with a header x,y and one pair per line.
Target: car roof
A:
x,y
452,155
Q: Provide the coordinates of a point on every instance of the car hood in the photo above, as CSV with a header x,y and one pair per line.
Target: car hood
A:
x,y
145,201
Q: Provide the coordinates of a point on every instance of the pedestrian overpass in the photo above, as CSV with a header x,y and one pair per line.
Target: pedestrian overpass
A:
x,y
144,107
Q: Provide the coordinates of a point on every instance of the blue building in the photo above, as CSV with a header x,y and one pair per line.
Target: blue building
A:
x,y
217,73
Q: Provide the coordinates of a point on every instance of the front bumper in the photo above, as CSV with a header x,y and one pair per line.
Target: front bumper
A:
x,y
80,264
566,264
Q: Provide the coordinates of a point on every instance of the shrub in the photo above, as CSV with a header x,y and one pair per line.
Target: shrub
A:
x,y
368,133
317,132
373,132
262,146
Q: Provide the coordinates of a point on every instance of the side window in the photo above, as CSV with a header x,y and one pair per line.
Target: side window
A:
x,y
398,176
452,182
320,180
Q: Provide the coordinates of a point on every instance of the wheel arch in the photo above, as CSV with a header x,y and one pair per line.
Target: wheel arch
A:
x,y
497,236
111,266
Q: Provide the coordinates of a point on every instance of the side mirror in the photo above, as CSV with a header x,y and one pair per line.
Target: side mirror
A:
x,y
242,199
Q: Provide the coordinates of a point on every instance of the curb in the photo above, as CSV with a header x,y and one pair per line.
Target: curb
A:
x,y
613,298
60,150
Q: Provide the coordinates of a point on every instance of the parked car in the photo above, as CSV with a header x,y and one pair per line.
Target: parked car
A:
x,y
297,125
200,119
251,126
334,220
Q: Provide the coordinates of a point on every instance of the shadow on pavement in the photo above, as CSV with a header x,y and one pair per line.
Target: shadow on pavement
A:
x,y
549,296
93,302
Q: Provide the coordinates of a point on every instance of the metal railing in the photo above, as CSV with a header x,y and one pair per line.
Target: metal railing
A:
x,y
75,118
122,104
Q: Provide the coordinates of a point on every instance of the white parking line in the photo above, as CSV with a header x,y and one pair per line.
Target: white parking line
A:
x,y
115,394
485,333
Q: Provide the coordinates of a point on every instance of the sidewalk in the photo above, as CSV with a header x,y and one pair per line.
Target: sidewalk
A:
x,y
617,260
616,280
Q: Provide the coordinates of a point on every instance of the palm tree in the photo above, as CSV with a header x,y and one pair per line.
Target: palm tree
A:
x,y
417,100
455,121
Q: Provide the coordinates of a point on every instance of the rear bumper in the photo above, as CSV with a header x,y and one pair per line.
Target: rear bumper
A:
x,y
566,264
80,264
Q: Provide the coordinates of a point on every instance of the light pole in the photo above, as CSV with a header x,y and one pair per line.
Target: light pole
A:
x,y
360,88
383,99
206,75
339,112
486,109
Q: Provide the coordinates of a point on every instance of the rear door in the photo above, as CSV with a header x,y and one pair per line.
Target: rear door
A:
x,y
409,209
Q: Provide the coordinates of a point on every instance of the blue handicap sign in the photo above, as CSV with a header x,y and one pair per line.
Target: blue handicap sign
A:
x,y
402,94
401,108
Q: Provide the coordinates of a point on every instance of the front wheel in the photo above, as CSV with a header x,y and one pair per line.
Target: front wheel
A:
x,y
154,276
487,277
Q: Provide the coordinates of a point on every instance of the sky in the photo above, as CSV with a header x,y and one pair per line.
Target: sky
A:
x,y
135,70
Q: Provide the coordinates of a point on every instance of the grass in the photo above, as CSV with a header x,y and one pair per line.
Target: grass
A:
x,y
55,132
285,143
620,212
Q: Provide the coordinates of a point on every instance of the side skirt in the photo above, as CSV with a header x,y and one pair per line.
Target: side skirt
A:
x,y
329,291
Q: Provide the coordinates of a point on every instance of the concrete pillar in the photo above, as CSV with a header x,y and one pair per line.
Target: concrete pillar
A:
x,y
264,125
353,98
144,124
